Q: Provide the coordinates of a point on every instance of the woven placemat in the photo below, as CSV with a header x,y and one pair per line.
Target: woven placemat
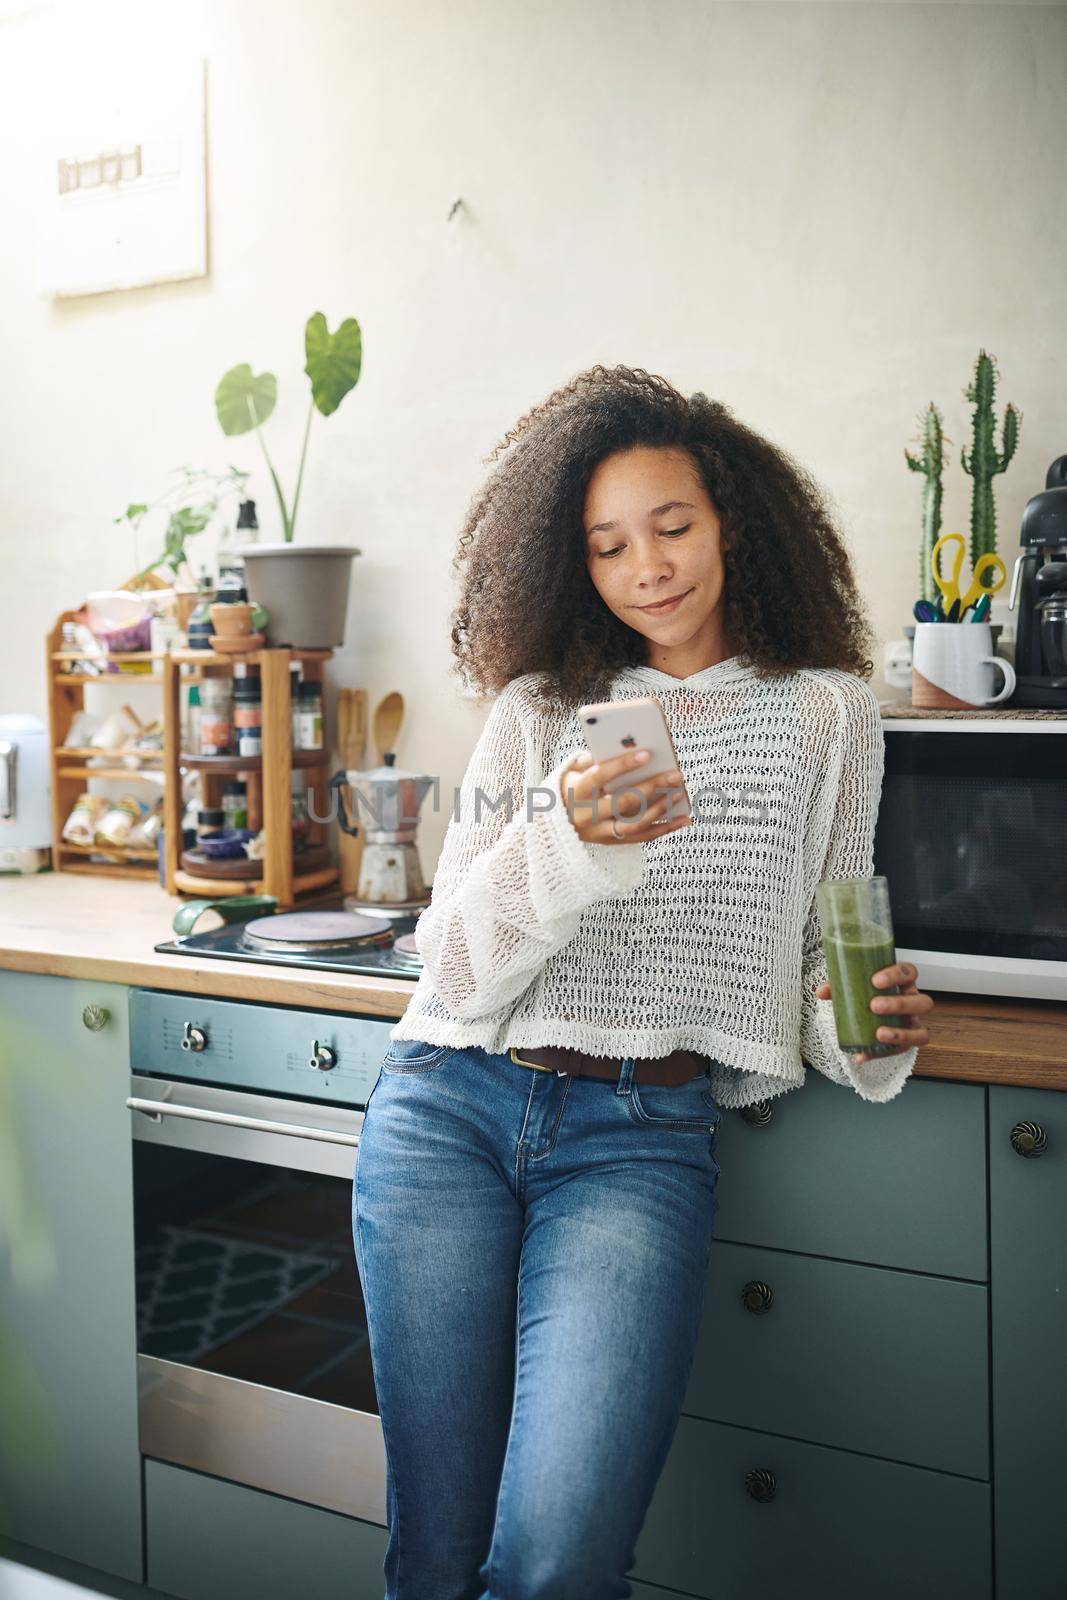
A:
x,y
904,708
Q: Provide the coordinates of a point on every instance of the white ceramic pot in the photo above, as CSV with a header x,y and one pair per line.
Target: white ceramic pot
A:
x,y
304,587
953,666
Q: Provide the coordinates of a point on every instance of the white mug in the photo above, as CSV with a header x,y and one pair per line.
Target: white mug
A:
x,y
952,665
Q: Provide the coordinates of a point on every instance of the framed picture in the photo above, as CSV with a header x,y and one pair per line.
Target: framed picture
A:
x,y
123,192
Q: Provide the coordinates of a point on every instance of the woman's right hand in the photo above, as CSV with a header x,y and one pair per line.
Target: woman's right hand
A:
x,y
583,779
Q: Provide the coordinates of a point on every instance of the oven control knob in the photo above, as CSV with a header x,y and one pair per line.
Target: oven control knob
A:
x,y
194,1039
322,1057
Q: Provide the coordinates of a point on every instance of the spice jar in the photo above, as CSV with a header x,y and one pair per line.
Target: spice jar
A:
x,y
248,715
216,717
235,805
294,702
209,821
310,717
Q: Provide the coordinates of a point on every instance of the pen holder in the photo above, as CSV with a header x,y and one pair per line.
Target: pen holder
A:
x,y
952,667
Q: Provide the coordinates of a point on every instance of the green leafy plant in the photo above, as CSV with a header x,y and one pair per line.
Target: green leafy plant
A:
x,y
985,460
930,462
191,505
244,400
982,464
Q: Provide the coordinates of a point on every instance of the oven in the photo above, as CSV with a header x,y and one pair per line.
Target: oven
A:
x,y
253,1358
970,834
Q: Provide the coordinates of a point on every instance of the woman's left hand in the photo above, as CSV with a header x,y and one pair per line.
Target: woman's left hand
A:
x,y
909,1002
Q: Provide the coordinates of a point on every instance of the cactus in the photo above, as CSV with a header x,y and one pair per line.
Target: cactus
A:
x,y
985,461
930,464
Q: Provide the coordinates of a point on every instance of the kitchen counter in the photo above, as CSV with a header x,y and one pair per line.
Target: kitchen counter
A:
x,y
90,927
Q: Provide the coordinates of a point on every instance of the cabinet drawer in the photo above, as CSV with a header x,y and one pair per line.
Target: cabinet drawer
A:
x,y
896,1185
837,1525
212,1540
890,1363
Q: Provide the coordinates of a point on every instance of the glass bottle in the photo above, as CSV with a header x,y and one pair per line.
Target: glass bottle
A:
x,y
200,627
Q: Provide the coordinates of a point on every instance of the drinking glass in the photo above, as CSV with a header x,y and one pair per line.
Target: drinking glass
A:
x,y
857,940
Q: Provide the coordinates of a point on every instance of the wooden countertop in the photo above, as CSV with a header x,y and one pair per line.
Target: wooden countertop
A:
x,y
103,929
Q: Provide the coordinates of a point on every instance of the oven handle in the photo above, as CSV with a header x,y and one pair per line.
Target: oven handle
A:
x,y
161,1108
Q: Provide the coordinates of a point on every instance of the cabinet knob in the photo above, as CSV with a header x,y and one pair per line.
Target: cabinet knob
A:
x,y
194,1039
761,1484
758,1114
96,1017
1029,1139
757,1297
322,1057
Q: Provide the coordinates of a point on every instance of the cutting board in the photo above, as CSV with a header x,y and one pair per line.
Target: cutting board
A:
x,y
351,738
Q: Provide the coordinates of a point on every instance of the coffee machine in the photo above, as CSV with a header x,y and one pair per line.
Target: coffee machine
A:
x,y
1039,584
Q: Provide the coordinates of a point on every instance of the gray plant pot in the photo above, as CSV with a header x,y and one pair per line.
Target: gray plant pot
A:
x,y
305,589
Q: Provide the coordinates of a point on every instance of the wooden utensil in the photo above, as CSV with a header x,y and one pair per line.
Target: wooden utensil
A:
x,y
351,737
388,716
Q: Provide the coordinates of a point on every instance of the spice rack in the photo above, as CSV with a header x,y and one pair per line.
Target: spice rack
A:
x,y
267,776
69,763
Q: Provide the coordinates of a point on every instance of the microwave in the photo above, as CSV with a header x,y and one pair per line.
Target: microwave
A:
x,y
972,837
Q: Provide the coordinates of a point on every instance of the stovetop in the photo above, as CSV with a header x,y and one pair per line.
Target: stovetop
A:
x,y
369,960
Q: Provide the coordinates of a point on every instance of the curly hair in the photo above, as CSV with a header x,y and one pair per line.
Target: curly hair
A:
x,y
528,603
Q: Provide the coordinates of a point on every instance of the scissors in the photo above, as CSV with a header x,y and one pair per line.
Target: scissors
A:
x,y
955,603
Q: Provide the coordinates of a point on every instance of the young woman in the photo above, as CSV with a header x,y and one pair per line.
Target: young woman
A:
x,y
535,1187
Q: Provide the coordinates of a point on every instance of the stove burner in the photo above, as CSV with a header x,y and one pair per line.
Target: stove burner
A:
x,y
404,955
310,932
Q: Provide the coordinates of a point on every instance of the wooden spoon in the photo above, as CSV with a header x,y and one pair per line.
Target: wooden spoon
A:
x,y
388,716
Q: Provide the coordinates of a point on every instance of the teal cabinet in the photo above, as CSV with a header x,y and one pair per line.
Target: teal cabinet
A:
x,y
895,1185
894,1364
1028,1184
69,1464
738,1513
212,1540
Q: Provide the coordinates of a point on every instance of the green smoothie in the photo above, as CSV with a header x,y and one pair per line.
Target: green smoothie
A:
x,y
855,951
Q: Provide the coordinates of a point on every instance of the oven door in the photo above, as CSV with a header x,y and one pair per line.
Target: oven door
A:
x,y
253,1356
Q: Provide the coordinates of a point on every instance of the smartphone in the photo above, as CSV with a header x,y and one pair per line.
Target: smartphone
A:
x,y
614,726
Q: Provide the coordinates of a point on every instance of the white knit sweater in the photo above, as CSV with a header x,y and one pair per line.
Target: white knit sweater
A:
x,y
706,939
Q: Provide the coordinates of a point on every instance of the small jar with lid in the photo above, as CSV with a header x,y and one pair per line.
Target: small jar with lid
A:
x,y
210,820
294,702
248,715
310,716
235,804
216,717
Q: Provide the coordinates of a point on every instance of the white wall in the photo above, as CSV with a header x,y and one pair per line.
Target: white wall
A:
x,y
815,212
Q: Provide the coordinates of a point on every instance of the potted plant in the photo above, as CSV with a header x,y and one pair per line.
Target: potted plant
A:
x,y
191,505
982,465
303,587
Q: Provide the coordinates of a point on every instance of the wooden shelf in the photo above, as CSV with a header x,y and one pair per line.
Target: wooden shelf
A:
x,y
112,869
85,752
122,655
268,775
213,888
81,679
119,854
224,764
213,658
118,774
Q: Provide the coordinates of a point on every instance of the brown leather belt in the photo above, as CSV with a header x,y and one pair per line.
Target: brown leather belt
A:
x,y
667,1071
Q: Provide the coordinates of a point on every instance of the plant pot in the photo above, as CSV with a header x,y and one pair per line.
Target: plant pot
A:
x,y
304,587
230,618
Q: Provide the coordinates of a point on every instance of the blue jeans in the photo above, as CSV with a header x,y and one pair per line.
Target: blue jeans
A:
x,y
533,1250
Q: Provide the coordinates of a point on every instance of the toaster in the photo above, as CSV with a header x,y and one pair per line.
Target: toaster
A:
x,y
25,795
